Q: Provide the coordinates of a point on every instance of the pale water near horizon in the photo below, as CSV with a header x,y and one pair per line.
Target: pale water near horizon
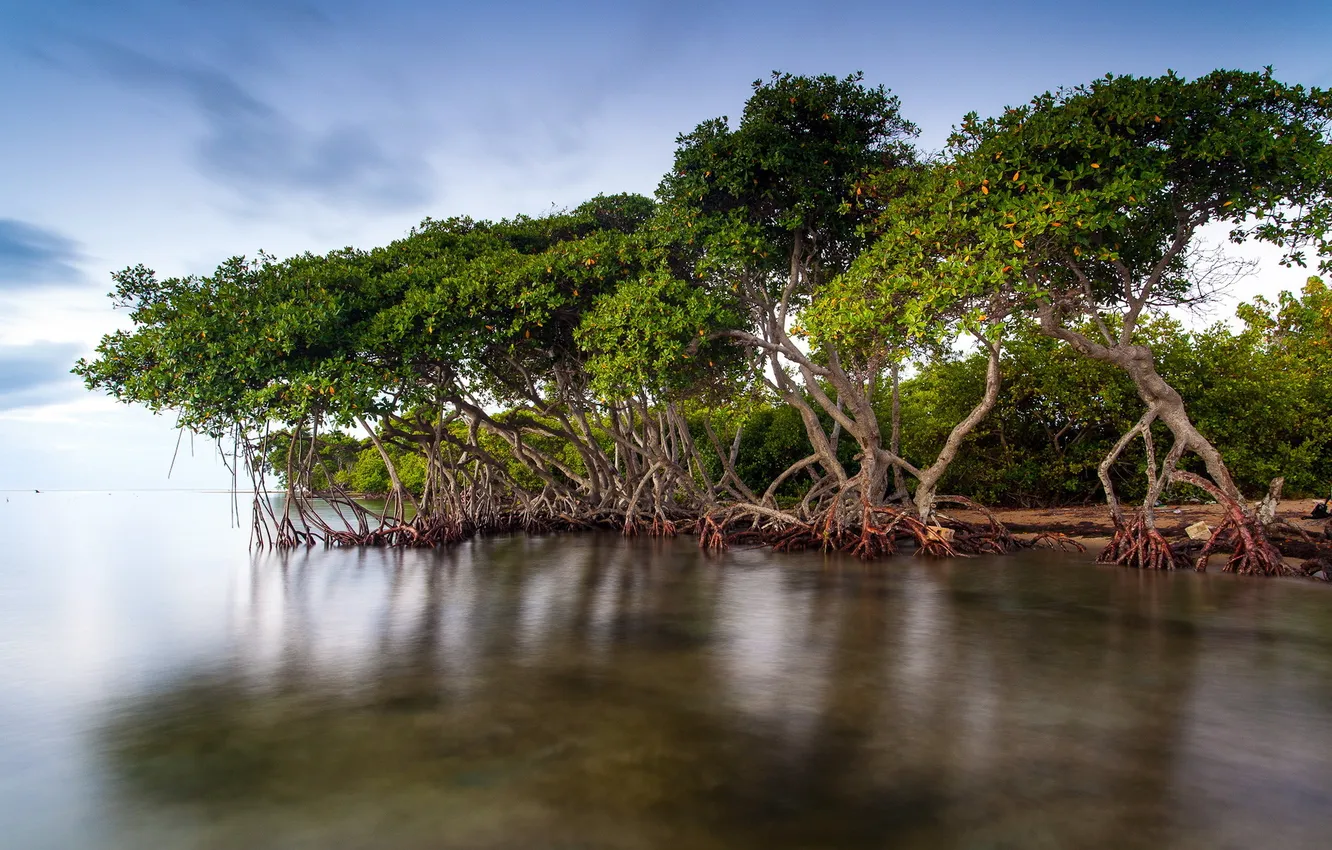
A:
x,y
161,686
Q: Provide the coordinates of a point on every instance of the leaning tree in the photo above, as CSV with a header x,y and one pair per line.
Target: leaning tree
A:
x,y
762,219
763,215
903,294
1084,208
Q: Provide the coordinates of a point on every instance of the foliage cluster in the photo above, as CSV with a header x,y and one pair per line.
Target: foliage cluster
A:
x,y
737,344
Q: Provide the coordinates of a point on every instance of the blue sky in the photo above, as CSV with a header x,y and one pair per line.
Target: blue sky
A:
x,y
179,132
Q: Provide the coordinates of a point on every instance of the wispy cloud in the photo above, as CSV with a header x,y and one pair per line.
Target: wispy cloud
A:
x,y
34,256
251,146
37,374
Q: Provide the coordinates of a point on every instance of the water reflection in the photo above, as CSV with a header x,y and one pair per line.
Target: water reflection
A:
x,y
597,692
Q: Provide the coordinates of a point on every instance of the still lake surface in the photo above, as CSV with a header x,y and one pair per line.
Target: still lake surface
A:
x,y
161,686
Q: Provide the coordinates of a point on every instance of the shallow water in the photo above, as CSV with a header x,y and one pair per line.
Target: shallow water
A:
x,y
161,687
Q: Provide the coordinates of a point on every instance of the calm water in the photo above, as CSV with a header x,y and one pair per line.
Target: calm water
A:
x,y
160,687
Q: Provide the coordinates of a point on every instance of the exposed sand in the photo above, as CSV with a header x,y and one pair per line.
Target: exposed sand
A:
x,y
1093,521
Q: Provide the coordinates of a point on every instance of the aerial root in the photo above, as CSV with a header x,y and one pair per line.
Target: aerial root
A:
x,y
872,531
1138,545
1055,540
1252,552
995,540
850,526
866,531
875,540
712,533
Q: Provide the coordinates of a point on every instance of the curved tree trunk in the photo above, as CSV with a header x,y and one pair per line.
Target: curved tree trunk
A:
x,y
928,478
900,493
1137,361
1163,403
399,491
1139,543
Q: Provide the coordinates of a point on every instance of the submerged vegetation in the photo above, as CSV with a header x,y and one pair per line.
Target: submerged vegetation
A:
x,y
810,337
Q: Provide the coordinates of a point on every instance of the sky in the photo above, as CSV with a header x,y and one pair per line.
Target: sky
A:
x,y
177,133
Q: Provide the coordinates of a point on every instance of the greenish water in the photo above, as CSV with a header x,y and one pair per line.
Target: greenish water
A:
x,y
161,687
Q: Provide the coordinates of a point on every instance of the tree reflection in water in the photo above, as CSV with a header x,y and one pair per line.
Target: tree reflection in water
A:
x,y
596,692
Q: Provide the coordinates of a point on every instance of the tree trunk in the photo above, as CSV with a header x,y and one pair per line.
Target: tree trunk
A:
x,y
928,478
399,491
1162,400
1252,551
895,437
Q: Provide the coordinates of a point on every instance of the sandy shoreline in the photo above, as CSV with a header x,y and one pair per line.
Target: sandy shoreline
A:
x,y
1094,520
1091,524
